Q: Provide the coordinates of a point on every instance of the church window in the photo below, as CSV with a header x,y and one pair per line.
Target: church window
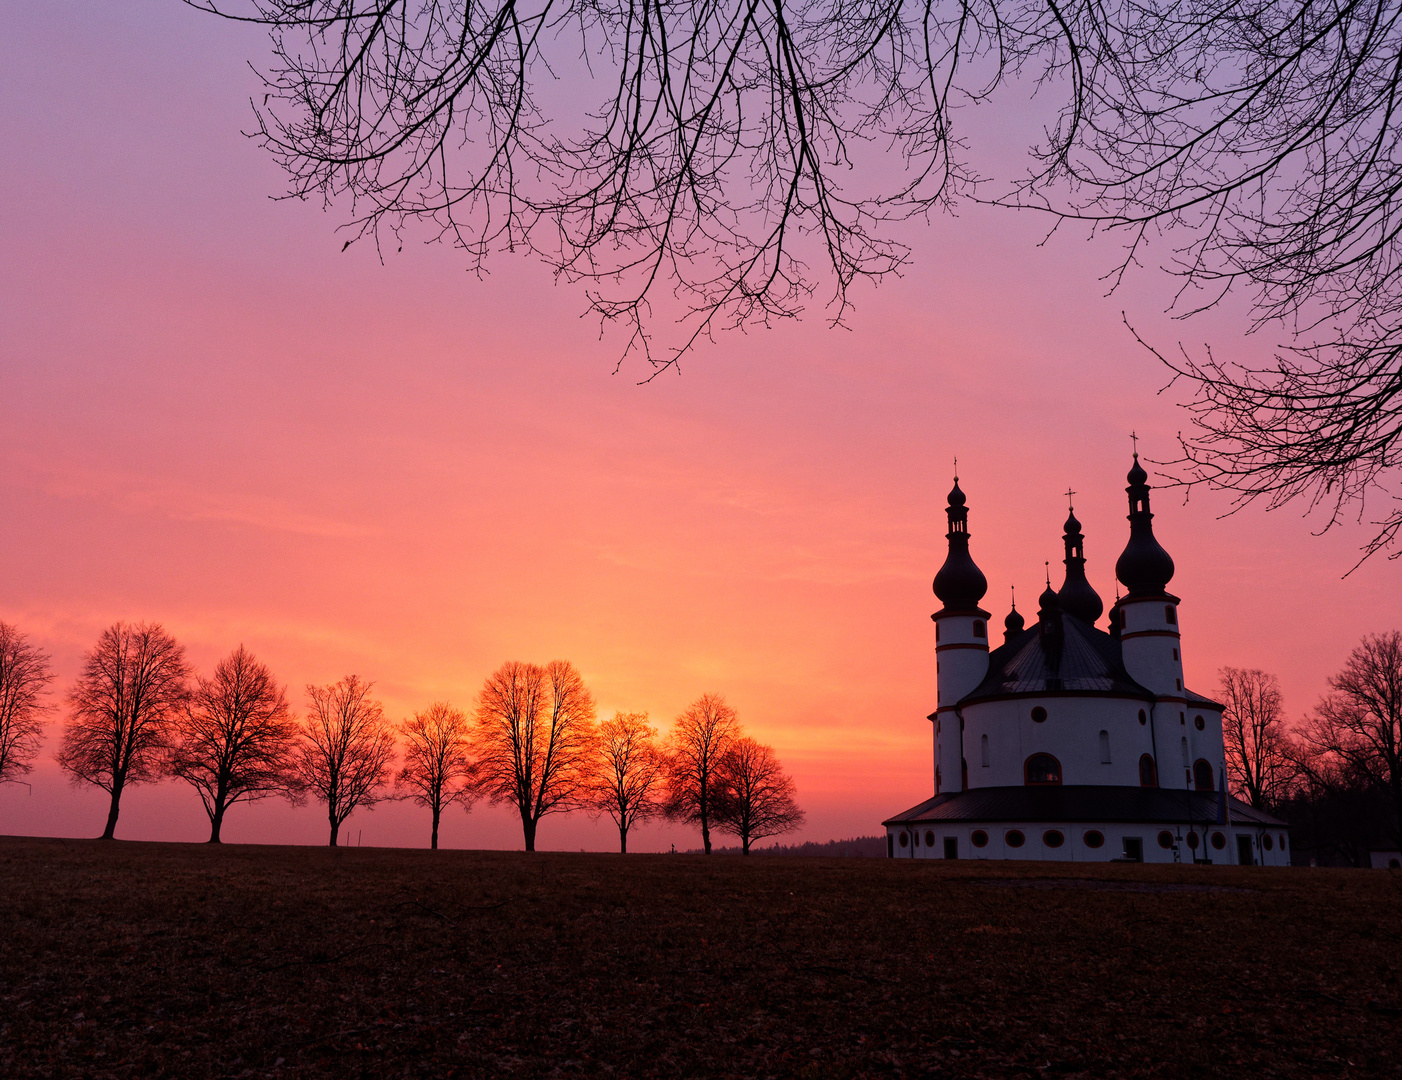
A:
x,y
1143,717
1053,838
983,749
1202,775
1105,748
1192,840
980,630
1042,769
905,840
929,838
937,633
1165,839
1179,683
1282,841
1148,775
1267,842
1039,714
1014,838
1219,841
1175,654
1199,722
1095,838
915,838
1182,719
1170,615
979,838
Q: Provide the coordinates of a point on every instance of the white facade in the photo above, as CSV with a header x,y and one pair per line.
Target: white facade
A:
x,y
1068,731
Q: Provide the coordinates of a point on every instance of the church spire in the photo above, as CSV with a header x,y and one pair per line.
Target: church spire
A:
x,y
1144,567
1077,596
1014,623
960,584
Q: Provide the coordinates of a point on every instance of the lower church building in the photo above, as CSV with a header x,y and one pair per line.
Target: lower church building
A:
x,y
1071,742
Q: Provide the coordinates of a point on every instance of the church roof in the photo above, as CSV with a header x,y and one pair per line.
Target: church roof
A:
x,y
1083,803
1080,659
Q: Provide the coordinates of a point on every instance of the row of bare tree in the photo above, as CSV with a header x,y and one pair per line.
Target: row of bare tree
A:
x,y
1336,775
138,713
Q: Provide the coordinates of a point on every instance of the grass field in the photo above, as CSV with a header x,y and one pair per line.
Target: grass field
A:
x,y
148,960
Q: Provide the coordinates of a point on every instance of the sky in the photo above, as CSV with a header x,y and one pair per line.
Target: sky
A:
x,y
213,417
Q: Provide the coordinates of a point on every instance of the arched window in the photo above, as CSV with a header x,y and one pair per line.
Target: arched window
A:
x,y
1202,775
983,749
1170,615
1042,769
1105,748
1148,775
979,629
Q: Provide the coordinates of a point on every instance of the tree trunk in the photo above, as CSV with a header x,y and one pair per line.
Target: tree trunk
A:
x,y
528,825
216,822
335,829
623,839
744,843
111,831
705,830
433,844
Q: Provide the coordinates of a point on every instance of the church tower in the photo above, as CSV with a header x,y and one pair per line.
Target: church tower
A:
x,y
961,643
1148,613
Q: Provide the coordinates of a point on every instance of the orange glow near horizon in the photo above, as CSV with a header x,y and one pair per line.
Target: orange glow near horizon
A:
x,y
213,418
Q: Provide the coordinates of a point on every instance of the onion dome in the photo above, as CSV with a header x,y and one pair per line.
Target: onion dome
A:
x,y
1048,602
1013,624
960,584
1144,567
1077,596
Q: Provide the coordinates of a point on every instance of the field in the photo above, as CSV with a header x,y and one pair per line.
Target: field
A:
x,y
150,960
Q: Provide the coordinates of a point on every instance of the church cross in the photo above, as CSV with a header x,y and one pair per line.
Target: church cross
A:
x,y
1134,439
1069,493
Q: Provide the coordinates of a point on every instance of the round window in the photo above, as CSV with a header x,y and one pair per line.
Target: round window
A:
x,y
1095,838
905,839
929,838
1039,715
1053,838
1282,841
1267,842
1199,722
1193,840
1165,839
1014,838
1219,841
1143,717
979,838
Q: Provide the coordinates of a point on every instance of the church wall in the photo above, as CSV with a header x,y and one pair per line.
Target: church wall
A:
x,y
1150,644
1070,733
927,841
961,648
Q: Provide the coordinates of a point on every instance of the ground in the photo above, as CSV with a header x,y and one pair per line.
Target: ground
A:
x,y
149,960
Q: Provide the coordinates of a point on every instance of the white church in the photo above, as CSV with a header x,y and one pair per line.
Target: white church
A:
x,y
1069,742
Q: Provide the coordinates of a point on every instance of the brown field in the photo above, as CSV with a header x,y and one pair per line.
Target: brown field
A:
x,y
149,960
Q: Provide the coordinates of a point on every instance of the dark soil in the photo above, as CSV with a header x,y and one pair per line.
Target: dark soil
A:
x,y
150,960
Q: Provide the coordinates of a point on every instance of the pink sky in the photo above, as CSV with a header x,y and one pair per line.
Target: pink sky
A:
x,y
212,417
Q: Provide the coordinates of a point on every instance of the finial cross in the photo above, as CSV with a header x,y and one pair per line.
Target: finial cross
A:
x,y
1047,564
1069,493
956,468
1134,439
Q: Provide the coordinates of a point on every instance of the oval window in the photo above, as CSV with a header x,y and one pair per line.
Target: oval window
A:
x,y
1193,840
1165,839
1267,842
1282,841
929,839
905,839
1143,717
1039,715
1014,838
1053,838
915,838
1219,841
979,838
1095,838
1199,722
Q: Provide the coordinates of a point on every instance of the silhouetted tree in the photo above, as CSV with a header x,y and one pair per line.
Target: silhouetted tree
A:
x,y
235,739
629,784
729,155
700,736
346,756
536,737
1357,726
1259,766
24,683
133,683
754,798
438,769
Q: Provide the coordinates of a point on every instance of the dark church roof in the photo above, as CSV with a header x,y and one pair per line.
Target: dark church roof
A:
x,y
1057,653
1083,803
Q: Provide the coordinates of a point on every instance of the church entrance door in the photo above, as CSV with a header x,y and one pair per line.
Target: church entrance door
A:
x,y
1244,854
951,847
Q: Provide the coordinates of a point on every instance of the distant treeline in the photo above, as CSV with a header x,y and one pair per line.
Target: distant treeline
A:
x,y
858,847
140,713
